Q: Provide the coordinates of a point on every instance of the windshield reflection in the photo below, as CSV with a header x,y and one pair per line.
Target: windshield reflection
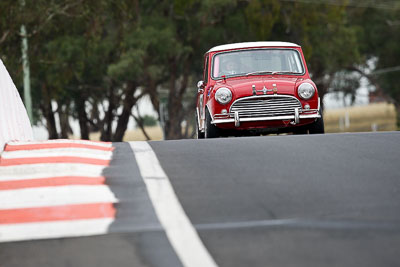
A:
x,y
257,62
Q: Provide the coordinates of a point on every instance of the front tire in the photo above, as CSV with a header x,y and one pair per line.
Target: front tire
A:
x,y
210,130
317,127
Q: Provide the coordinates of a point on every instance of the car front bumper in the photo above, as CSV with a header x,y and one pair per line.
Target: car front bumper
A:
x,y
294,119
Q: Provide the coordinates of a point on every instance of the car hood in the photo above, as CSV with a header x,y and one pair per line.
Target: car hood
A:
x,y
243,86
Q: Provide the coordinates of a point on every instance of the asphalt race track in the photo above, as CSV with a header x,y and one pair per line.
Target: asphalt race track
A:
x,y
312,200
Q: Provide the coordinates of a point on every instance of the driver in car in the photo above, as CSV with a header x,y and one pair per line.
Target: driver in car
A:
x,y
230,67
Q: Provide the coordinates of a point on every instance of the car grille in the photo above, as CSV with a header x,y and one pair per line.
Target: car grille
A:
x,y
265,107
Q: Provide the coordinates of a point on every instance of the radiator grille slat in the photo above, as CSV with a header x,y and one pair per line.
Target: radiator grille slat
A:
x,y
265,106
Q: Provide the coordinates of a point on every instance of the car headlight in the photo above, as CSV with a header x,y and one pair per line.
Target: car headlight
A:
x,y
306,90
223,95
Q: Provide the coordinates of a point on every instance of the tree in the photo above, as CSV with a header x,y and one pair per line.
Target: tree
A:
x,y
379,35
93,60
329,42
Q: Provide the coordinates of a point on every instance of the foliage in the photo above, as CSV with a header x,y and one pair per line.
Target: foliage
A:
x,y
93,60
149,121
378,33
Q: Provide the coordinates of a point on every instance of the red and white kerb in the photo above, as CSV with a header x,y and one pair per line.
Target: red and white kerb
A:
x,y
54,189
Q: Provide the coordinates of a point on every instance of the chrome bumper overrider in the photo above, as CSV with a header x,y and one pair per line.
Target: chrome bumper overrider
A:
x,y
295,119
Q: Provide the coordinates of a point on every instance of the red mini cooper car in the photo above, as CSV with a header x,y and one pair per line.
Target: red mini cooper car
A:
x,y
257,88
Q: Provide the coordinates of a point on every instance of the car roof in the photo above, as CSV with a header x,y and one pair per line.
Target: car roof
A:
x,y
251,45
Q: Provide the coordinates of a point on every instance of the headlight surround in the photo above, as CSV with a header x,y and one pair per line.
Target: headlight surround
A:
x,y
223,95
306,91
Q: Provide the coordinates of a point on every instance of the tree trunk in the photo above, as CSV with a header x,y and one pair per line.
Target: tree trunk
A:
x,y
397,106
106,129
176,112
48,113
63,113
190,118
151,89
82,118
123,119
139,121
173,129
50,120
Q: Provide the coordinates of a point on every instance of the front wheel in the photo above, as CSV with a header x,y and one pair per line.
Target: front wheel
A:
x,y
210,130
317,127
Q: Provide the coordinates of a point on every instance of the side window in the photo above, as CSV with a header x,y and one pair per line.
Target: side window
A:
x,y
206,69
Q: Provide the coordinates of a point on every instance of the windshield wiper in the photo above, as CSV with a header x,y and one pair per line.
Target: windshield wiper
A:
x,y
287,72
261,72
272,72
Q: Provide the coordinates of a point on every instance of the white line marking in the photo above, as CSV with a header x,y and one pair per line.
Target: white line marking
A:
x,y
180,232
43,230
59,152
36,171
55,196
60,141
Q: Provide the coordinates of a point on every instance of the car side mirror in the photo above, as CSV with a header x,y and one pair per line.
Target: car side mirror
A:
x,y
200,87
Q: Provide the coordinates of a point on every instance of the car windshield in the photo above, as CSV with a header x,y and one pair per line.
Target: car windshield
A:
x,y
257,62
